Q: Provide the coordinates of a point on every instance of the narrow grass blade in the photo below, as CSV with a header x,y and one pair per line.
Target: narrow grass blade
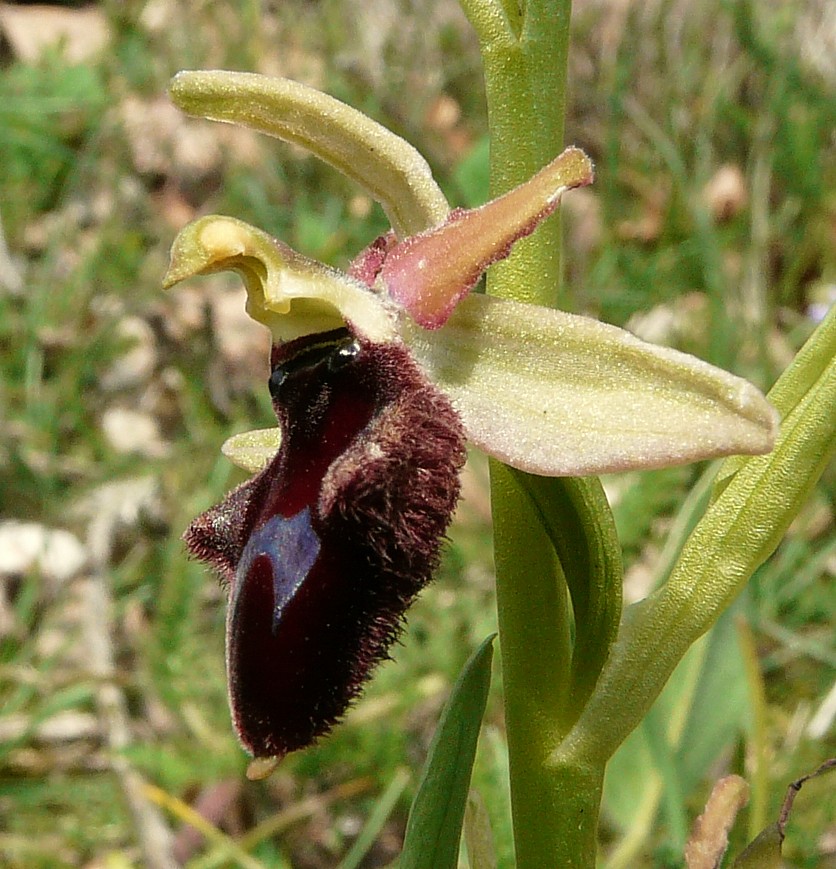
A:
x,y
380,814
435,820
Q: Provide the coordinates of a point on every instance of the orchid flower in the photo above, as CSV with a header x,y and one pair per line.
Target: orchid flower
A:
x,y
379,376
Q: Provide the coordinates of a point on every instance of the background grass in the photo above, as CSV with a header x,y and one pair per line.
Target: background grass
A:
x,y
119,668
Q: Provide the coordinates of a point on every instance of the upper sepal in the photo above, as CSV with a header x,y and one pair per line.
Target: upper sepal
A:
x,y
386,165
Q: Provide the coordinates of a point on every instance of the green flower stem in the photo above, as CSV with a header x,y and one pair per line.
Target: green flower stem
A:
x,y
524,52
525,81
532,603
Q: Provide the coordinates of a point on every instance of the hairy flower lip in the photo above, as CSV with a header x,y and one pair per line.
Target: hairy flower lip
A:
x,y
326,548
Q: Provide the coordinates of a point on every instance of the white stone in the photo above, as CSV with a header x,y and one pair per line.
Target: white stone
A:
x,y
132,431
24,546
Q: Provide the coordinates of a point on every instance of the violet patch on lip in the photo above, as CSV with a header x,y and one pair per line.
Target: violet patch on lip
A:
x,y
289,549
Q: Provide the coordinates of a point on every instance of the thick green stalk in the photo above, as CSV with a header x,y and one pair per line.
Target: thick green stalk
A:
x,y
524,52
555,808
525,81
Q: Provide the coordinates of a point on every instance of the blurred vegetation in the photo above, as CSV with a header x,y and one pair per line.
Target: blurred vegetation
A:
x,y
711,227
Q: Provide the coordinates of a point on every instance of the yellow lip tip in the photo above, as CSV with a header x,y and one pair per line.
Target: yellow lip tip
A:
x,y
262,767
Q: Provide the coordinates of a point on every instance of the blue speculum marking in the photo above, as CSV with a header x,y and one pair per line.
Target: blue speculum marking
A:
x,y
291,545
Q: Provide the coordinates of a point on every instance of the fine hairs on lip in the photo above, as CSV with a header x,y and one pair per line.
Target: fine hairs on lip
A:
x,y
358,499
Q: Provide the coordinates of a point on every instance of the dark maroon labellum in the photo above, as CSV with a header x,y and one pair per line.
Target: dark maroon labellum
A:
x,y
326,548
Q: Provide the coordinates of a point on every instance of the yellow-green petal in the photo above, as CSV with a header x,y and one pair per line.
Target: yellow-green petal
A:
x,y
253,450
291,294
387,166
561,395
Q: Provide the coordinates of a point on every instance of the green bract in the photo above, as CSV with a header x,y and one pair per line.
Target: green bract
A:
x,y
547,392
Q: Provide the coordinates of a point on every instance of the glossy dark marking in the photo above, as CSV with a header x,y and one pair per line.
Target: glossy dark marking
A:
x,y
342,355
297,358
290,548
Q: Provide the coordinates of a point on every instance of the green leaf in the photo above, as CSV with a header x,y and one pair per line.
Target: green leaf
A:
x,y
739,531
576,516
435,820
700,712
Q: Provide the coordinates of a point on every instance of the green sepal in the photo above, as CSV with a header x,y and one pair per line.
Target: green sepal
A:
x,y
384,164
556,394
